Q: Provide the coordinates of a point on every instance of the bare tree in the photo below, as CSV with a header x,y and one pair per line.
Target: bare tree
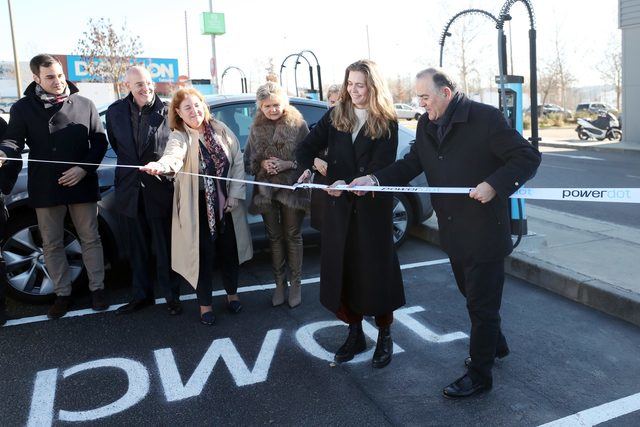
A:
x,y
400,89
610,67
563,75
271,71
108,52
548,81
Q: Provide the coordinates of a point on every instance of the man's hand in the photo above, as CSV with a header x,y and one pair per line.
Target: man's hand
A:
x,y
154,168
3,158
72,176
305,177
335,193
320,165
230,204
483,193
364,181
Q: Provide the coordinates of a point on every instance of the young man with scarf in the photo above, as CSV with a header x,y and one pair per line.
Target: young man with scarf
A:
x,y
138,131
59,125
463,143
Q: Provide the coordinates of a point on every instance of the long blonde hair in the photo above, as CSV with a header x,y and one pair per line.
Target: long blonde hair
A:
x,y
380,108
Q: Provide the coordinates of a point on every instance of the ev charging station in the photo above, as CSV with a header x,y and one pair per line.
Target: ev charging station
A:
x,y
512,97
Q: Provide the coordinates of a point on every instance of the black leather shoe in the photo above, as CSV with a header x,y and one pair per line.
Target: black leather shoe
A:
x,y
60,307
354,344
99,300
464,387
174,307
500,354
384,348
234,306
135,305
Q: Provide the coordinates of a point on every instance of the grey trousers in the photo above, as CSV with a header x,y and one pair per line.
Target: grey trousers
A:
x,y
85,221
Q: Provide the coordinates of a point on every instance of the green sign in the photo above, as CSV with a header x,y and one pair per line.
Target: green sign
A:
x,y
212,23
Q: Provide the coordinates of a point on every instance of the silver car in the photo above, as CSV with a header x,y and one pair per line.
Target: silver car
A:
x,y
26,273
405,111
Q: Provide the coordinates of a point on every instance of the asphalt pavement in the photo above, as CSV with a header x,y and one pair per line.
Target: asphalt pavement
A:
x,y
272,365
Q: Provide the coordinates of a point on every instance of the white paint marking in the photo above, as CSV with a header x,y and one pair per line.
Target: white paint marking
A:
x,y
573,156
633,176
600,414
138,389
189,297
403,316
562,167
44,394
175,389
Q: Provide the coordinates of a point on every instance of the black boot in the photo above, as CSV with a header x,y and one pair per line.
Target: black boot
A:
x,y
354,344
384,348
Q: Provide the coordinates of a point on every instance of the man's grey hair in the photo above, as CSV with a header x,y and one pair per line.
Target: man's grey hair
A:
x,y
135,68
439,77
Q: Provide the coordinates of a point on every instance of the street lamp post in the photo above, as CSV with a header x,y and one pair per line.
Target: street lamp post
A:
x,y
214,60
15,53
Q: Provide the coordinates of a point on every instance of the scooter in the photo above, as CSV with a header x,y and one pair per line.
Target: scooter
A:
x,y
606,125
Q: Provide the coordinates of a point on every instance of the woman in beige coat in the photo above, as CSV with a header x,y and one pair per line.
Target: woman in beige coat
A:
x,y
209,224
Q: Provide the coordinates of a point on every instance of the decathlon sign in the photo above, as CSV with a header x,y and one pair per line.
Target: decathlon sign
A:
x,y
163,70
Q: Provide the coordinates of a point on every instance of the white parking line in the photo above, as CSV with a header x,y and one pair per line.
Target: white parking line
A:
x,y
189,297
599,414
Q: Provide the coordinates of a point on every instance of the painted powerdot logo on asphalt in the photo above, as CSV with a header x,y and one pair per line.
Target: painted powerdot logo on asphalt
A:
x,y
177,387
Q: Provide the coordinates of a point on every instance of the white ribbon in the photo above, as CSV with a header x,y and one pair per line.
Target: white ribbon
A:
x,y
609,195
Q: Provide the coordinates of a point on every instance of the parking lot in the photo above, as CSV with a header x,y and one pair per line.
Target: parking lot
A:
x,y
272,365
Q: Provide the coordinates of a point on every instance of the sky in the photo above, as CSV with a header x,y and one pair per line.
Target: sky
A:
x,y
402,37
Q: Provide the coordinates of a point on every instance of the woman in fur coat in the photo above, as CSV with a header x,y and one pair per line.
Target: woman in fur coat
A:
x,y
270,156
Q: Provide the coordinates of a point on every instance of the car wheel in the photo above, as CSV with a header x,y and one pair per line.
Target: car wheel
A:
x,y
402,218
417,116
26,276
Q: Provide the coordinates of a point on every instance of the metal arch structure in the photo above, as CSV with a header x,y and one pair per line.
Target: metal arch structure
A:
x,y
446,33
243,77
318,72
299,55
283,66
295,70
533,66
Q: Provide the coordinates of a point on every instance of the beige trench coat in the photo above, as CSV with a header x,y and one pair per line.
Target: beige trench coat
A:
x,y
182,154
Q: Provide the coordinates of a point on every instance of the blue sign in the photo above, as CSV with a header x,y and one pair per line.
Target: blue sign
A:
x,y
163,70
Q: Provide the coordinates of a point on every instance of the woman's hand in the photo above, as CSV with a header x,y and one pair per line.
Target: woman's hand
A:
x,y
268,166
320,165
230,204
305,177
280,165
154,168
335,193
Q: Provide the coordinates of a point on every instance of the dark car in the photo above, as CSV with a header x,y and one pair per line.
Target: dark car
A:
x,y
27,277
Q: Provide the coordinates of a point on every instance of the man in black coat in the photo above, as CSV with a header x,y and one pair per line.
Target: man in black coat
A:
x,y
138,132
462,143
61,126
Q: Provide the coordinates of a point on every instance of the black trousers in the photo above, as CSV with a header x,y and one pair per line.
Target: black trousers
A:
x,y
221,251
481,284
147,237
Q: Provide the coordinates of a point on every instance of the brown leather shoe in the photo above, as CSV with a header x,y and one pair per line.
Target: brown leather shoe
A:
x,y
60,307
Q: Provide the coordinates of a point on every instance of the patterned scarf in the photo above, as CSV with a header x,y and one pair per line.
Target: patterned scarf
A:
x,y
50,100
214,162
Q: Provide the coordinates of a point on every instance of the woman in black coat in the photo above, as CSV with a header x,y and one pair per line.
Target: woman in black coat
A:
x,y
360,273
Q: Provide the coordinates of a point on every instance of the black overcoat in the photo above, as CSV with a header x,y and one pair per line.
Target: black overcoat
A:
x,y
157,194
480,146
358,254
71,132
